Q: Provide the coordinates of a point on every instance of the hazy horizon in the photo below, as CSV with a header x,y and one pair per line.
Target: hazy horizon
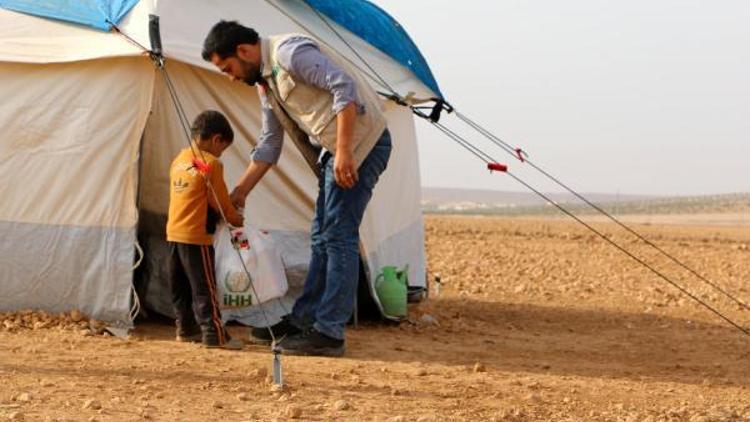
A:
x,y
635,97
629,194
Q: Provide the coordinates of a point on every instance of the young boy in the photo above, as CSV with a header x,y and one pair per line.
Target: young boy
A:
x,y
193,212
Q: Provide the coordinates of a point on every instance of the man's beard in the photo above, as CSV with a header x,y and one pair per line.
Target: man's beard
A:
x,y
253,75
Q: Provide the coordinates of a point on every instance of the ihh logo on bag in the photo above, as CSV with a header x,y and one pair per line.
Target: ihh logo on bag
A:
x,y
237,292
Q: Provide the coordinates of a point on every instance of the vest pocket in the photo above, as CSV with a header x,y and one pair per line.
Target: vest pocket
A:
x,y
285,85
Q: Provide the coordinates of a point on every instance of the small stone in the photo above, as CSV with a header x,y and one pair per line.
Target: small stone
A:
x,y
533,397
397,418
218,405
24,397
16,416
341,405
421,372
478,367
243,397
293,412
46,383
76,315
146,413
92,404
429,319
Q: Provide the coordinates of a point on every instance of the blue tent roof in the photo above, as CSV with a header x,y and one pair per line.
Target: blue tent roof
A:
x,y
94,13
361,17
377,27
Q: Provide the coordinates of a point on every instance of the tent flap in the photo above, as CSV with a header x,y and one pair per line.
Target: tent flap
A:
x,y
94,13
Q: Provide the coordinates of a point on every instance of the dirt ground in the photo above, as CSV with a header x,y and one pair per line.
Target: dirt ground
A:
x,y
535,320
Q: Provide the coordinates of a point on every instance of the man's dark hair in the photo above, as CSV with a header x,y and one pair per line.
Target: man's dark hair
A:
x,y
210,123
224,38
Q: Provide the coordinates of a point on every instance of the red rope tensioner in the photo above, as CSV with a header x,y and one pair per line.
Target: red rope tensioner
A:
x,y
497,167
203,167
521,154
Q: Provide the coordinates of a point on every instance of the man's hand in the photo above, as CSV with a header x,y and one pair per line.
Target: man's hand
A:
x,y
238,197
255,171
344,170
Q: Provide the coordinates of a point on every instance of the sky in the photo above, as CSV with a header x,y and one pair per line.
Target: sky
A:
x,y
630,97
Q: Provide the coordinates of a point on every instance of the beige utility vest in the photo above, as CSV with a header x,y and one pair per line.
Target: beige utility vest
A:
x,y
310,109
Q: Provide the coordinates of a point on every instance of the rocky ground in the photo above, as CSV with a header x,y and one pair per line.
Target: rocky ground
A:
x,y
534,320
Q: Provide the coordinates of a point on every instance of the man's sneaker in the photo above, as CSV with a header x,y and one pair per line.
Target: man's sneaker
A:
x,y
211,341
312,343
284,328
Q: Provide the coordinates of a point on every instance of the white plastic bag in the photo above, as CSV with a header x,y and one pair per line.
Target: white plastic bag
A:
x,y
263,262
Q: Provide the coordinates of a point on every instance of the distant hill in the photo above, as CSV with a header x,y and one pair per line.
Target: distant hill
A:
x,y
473,201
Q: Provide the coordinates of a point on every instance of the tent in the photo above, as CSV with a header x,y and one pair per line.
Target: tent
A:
x,y
89,131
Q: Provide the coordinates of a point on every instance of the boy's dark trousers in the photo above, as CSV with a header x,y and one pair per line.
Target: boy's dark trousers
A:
x,y
192,283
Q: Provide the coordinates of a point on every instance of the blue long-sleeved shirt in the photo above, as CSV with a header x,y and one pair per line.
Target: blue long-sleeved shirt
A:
x,y
302,57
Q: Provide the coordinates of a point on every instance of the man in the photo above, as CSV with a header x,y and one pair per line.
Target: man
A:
x,y
321,101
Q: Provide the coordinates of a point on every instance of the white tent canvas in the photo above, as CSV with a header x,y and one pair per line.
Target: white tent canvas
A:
x,y
90,130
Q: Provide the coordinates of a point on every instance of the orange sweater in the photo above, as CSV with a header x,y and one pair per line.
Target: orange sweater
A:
x,y
189,199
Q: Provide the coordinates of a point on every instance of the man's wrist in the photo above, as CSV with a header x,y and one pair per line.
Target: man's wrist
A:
x,y
342,150
242,191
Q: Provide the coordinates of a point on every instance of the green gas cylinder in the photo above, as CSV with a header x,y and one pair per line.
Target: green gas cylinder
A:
x,y
392,286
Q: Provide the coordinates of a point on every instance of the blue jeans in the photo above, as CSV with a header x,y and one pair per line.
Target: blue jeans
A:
x,y
327,301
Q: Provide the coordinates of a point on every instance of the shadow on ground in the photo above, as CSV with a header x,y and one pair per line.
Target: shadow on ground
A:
x,y
564,341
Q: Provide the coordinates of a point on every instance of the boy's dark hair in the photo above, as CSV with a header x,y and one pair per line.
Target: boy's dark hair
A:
x,y
210,123
224,38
